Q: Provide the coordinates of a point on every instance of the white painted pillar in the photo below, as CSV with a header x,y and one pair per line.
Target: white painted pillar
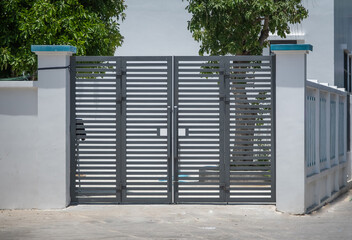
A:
x,y
53,144
291,75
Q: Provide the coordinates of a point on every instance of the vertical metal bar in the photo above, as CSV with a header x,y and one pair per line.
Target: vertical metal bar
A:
x,y
345,129
169,129
175,136
222,116
273,128
348,102
119,136
73,141
227,129
317,132
123,130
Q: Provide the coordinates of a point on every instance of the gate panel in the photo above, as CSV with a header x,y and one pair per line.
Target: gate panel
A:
x,y
250,134
147,122
198,160
94,112
224,129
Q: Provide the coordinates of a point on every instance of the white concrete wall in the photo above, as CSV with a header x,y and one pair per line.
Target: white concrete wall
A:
x,y
290,131
156,27
34,139
326,179
304,180
18,139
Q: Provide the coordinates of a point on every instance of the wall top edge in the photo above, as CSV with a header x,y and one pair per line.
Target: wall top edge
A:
x,y
17,84
53,48
291,47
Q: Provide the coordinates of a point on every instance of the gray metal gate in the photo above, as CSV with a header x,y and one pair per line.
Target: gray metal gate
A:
x,y
123,108
221,147
224,129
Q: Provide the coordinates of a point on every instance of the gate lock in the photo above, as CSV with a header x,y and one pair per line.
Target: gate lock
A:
x,y
120,187
225,99
224,187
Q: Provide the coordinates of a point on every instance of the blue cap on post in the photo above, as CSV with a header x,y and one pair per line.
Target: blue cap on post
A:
x,y
53,48
291,47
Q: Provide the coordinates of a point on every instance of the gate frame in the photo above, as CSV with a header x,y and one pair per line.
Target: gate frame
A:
x,y
172,113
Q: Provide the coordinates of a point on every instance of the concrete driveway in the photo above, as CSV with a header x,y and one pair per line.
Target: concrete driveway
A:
x,y
333,221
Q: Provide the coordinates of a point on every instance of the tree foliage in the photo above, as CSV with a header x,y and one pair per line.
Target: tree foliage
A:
x,y
89,25
241,27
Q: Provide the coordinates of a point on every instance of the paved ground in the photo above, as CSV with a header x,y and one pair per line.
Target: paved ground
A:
x,y
333,221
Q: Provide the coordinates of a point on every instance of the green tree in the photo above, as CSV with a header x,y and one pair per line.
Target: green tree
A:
x,y
241,27
90,25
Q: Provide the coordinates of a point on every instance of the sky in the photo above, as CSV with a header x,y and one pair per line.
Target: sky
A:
x,y
156,28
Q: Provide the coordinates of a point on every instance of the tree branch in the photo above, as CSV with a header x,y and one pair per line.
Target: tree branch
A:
x,y
265,32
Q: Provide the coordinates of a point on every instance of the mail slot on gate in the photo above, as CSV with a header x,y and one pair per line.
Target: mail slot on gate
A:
x,y
80,129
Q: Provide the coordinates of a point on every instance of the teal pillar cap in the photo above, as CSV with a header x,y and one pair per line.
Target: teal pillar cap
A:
x,y
53,48
291,47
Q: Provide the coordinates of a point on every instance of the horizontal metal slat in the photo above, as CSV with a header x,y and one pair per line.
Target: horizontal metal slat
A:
x,y
96,80
95,69
160,96
97,200
129,91
146,152
93,91
249,168
250,194
105,183
79,101
145,157
145,80
147,71
159,75
96,85
93,95
146,194
145,64
88,64
248,69
145,179
95,157
235,164
147,168
198,193
250,175
93,75
95,58
89,174
133,188
90,178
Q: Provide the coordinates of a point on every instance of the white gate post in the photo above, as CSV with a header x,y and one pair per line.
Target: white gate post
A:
x,y
53,146
291,76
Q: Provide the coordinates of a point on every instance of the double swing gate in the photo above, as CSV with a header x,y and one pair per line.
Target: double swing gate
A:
x,y
172,129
